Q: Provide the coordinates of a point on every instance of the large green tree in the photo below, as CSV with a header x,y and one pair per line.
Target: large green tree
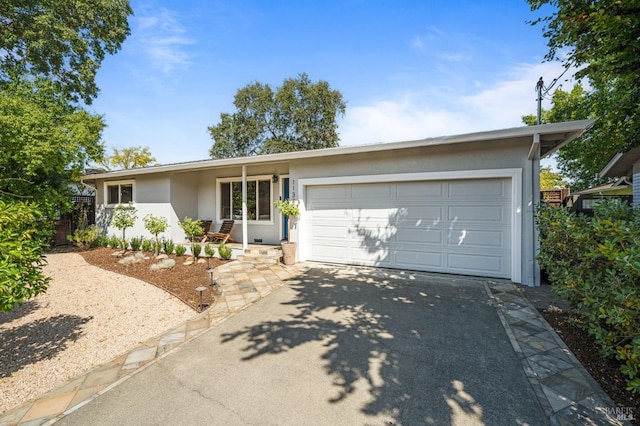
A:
x,y
50,51
129,158
63,41
600,39
46,143
299,115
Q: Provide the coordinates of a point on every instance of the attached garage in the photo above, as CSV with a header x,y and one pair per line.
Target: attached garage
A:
x,y
461,223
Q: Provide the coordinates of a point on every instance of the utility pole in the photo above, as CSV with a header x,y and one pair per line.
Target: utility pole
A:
x,y
539,87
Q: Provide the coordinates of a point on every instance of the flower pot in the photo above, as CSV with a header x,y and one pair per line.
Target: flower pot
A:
x,y
289,253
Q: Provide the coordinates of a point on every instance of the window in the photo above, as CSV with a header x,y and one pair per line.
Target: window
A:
x,y
119,192
258,199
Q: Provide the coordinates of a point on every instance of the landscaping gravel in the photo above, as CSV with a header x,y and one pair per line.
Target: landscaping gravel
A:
x,y
87,317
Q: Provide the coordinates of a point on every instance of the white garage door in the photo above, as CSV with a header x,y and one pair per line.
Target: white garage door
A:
x,y
458,226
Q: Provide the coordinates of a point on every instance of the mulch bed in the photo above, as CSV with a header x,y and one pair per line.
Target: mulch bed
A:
x,y
180,281
605,371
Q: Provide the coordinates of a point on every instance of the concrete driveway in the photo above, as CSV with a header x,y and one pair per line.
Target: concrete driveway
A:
x,y
338,346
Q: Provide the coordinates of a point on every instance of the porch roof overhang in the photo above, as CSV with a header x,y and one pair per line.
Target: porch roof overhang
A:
x,y
549,137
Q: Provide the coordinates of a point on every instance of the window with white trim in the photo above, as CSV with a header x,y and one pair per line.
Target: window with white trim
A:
x,y
259,199
119,192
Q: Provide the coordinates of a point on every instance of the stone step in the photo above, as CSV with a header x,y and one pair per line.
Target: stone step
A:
x,y
259,258
271,251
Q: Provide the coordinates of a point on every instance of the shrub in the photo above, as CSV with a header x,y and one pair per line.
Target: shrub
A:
x,y
209,251
84,238
22,245
180,250
102,241
136,243
224,251
169,246
595,265
147,245
196,249
114,241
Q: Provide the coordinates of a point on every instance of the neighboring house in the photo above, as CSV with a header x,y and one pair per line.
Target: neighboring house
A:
x,y
625,165
458,204
584,201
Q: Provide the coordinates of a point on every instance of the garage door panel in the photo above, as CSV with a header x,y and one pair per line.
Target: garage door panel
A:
x,y
418,259
476,264
329,231
428,236
329,252
466,189
421,212
331,192
369,192
419,190
474,238
457,227
474,213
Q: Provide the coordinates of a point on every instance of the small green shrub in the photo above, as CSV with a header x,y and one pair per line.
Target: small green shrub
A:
x,y
196,249
169,246
136,243
147,245
102,241
114,241
124,244
84,238
594,263
209,251
180,250
224,251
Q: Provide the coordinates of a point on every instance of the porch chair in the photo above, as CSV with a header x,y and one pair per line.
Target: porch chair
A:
x,y
206,229
223,235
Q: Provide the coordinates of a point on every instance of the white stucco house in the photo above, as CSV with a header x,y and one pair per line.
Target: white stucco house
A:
x,y
459,204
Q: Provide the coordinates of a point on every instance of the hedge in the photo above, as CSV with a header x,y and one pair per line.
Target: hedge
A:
x,y
594,263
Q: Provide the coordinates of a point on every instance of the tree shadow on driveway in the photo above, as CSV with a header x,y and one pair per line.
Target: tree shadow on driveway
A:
x,y
427,349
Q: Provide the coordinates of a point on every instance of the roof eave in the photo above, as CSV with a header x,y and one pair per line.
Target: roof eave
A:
x,y
560,133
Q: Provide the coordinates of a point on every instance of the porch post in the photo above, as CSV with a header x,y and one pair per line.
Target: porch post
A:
x,y
244,207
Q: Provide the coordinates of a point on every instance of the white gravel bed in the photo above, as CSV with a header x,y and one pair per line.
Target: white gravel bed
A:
x,y
87,317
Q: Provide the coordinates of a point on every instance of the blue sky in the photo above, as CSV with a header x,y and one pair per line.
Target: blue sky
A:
x,y
406,69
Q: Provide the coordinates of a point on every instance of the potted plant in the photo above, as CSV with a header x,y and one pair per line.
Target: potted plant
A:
x,y
290,209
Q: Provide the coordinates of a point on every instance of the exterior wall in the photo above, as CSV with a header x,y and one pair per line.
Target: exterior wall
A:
x,y
488,155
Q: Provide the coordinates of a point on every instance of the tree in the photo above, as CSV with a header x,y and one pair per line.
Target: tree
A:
x,y
600,38
46,143
550,179
21,254
63,41
124,216
130,158
193,229
155,225
299,115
